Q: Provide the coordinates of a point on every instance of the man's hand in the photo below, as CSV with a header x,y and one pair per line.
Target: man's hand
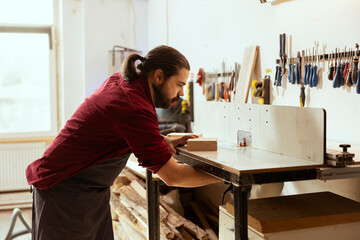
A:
x,y
174,142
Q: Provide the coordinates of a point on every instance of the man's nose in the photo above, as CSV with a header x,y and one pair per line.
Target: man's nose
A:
x,y
181,92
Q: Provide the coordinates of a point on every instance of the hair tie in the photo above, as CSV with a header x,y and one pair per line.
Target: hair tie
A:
x,y
141,58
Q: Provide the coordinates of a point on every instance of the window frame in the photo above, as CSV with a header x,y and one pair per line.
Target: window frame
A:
x,y
53,84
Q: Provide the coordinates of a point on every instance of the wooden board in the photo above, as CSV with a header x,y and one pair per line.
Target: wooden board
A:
x,y
246,74
202,144
178,135
286,213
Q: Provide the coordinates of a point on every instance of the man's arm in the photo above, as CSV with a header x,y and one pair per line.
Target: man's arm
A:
x,y
178,175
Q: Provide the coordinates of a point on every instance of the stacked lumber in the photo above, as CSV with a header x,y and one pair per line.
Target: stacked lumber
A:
x,y
129,213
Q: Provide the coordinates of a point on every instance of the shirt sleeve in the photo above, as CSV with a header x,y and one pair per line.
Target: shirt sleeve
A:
x,y
140,129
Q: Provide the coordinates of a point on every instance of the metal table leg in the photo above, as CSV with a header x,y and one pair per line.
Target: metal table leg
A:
x,y
152,194
241,195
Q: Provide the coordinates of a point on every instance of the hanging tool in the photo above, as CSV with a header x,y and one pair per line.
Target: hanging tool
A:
x,y
306,70
331,68
302,88
298,69
346,70
280,76
290,71
314,76
358,82
302,95
283,56
349,81
310,79
355,65
276,75
336,83
336,63
342,69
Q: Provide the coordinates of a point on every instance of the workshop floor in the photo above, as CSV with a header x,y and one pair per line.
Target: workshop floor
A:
x,y
5,221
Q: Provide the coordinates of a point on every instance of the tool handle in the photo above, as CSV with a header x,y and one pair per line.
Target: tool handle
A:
x,y
279,77
331,73
354,71
293,74
298,77
336,83
290,73
306,74
358,83
302,96
342,80
276,75
281,46
315,77
346,70
349,81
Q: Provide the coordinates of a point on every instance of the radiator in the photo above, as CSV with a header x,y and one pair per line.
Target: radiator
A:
x,y
14,158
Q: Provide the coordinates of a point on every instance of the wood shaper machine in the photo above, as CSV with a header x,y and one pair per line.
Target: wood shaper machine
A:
x,y
292,131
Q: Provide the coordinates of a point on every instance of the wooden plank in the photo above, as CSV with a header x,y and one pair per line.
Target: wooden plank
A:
x,y
47,140
10,199
246,74
202,144
204,222
177,220
179,135
301,211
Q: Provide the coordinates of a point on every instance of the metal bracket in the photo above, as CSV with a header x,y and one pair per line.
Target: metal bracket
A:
x,y
340,159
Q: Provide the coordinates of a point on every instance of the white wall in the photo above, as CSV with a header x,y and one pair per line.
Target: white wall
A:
x,y
87,30
208,31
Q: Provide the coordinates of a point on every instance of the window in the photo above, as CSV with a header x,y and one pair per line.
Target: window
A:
x,y
27,69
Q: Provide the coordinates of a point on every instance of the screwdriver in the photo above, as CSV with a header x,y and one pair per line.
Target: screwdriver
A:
x,y
342,69
280,76
298,70
307,74
314,77
358,83
336,83
331,69
349,81
342,81
346,72
276,75
302,95
355,65
298,79
290,73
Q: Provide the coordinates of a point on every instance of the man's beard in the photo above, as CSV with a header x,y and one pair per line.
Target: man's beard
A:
x,y
161,101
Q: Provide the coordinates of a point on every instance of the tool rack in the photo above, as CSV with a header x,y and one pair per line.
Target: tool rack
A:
x,y
324,57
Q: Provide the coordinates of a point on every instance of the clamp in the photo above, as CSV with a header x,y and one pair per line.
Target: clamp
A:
x,y
342,159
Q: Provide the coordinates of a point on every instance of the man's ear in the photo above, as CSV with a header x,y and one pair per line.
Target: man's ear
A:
x,y
159,76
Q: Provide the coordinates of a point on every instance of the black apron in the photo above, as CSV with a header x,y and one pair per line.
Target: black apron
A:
x,y
78,207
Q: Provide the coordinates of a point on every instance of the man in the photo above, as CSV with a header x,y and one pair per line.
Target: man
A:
x,y
72,179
